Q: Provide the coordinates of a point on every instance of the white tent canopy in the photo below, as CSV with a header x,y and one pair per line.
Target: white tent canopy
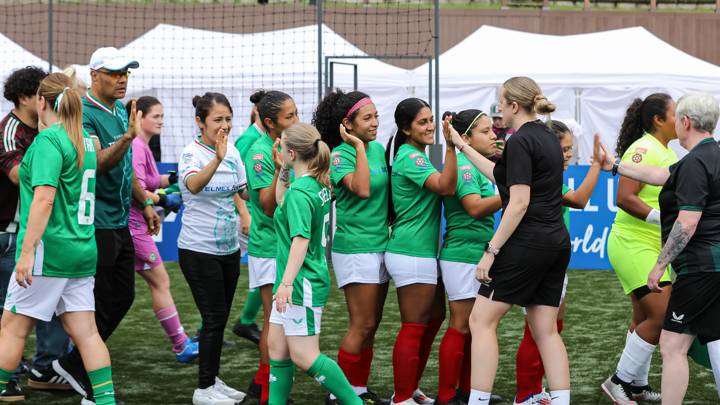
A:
x,y
177,63
590,77
14,57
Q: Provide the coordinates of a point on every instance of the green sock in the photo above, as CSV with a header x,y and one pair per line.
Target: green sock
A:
x,y
282,375
5,377
331,377
102,386
253,302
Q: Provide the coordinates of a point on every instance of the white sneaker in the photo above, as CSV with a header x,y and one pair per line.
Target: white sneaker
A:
x,y
645,394
408,401
542,398
232,393
422,399
209,396
619,393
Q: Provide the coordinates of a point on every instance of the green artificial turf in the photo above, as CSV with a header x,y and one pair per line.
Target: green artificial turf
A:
x,y
146,373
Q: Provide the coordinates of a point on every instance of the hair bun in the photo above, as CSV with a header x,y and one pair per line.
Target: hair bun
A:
x,y
195,100
450,114
543,105
257,96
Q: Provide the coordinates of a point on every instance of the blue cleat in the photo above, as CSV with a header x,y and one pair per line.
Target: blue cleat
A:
x,y
189,353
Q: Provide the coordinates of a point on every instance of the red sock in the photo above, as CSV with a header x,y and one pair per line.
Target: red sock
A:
x,y
364,370
426,346
529,366
466,366
560,325
406,358
451,359
351,365
262,377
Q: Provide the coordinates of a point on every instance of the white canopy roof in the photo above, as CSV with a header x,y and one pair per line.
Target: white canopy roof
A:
x,y
14,57
630,57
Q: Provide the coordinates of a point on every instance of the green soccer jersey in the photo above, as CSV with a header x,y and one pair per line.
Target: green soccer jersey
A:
x,y
114,187
305,212
566,209
246,141
67,247
260,170
465,237
361,224
417,223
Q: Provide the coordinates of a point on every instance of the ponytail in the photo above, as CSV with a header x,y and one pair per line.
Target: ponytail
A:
x,y
305,140
319,166
639,118
58,91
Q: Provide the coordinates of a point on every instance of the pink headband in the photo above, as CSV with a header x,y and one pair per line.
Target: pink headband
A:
x,y
360,104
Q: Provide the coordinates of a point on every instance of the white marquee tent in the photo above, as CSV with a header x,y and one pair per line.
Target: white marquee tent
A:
x,y
14,57
177,63
592,78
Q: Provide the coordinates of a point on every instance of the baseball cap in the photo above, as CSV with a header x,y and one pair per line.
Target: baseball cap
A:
x,y
494,112
111,59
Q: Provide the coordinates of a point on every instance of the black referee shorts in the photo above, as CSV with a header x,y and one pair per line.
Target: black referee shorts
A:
x,y
694,306
523,275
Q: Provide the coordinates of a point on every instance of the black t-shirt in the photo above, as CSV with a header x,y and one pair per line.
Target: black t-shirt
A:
x,y
533,157
694,185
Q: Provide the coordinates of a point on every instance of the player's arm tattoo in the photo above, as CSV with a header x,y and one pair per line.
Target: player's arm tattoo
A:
x,y
285,177
677,240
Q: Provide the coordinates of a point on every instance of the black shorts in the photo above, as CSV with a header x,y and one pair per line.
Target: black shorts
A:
x,y
525,276
694,306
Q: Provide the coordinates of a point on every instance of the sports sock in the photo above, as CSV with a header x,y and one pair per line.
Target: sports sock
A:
x,y
282,376
635,354
262,377
350,364
366,362
714,354
560,397
170,321
330,376
102,386
253,302
451,359
5,377
406,358
479,398
464,383
641,379
426,346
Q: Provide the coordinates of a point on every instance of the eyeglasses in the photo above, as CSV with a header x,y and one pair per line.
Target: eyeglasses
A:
x,y
115,74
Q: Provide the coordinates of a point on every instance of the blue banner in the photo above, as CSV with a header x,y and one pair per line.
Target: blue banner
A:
x,y
589,228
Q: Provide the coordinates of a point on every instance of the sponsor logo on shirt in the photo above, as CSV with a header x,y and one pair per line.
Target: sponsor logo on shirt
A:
x,y
413,155
336,153
257,156
465,167
677,318
641,150
187,157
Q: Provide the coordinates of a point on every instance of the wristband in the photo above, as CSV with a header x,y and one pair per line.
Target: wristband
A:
x,y
148,202
616,166
653,217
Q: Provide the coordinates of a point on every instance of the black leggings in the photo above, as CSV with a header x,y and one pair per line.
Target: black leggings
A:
x,y
212,280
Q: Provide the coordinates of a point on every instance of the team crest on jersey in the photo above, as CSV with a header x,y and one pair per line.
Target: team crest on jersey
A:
x,y
257,156
336,161
420,162
637,158
257,167
467,176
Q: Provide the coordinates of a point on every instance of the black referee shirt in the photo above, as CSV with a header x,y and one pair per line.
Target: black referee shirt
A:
x,y
694,185
533,157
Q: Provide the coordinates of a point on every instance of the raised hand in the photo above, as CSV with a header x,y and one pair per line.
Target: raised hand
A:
x,y
601,155
276,156
221,141
452,137
350,139
133,120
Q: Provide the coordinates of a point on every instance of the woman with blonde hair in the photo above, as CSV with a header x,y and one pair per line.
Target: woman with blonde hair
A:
x,y
302,284
525,261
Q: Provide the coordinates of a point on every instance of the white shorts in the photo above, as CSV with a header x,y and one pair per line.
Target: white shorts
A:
x,y
406,270
262,271
562,296
364,268
50,295
298,320
459,279
243,239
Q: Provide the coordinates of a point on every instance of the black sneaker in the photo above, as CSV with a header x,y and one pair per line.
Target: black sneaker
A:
x,y
465,397
330,401
77,378
495,399
47,380
250,332
254,390
371,398
12,392
24,367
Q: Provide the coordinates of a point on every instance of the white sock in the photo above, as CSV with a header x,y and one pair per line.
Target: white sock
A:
x,y
636,353
560,397
641,379
479,398
714,353
359,390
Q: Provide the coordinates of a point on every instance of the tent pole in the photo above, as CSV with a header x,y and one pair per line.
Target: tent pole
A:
x,y
320,48
50,35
